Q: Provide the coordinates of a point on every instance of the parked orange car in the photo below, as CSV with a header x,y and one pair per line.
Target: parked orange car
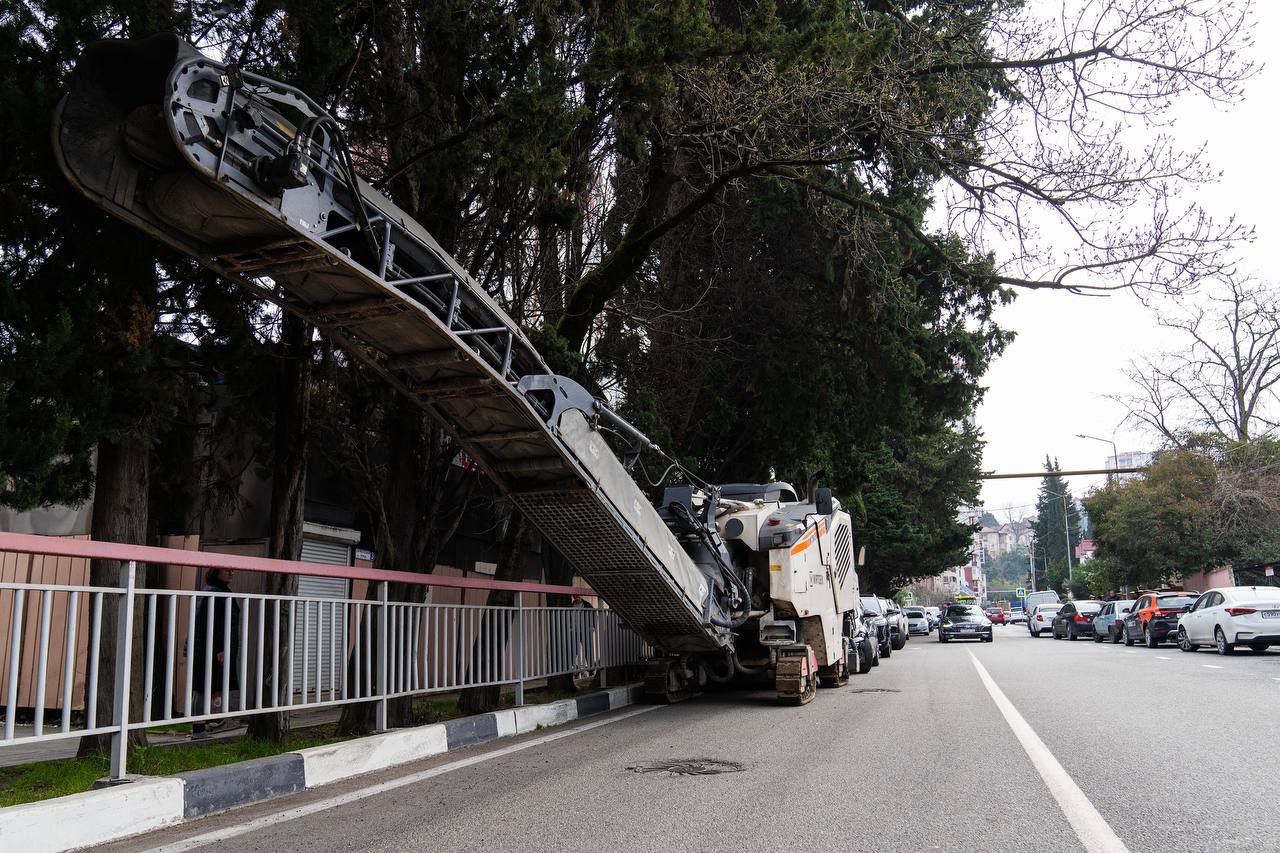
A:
x,y
1154,618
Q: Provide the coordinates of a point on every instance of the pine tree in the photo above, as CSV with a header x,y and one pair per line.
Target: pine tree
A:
x,y
1055,542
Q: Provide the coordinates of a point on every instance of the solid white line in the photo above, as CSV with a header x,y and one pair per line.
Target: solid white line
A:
x,y
1094,832
382,787
1210,666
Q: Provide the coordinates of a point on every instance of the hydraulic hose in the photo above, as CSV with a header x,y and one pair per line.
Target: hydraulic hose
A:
x,y
729,574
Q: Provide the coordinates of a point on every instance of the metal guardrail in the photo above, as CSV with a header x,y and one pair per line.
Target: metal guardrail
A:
x,y
230,663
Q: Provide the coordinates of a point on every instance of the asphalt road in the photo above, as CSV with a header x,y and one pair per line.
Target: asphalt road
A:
x,y
1175,752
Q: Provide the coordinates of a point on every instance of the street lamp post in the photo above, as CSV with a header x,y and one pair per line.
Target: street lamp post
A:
x,y
1115,454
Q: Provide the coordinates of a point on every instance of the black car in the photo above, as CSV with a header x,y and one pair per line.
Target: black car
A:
x,y
866,646
873,611
965,622
1075,619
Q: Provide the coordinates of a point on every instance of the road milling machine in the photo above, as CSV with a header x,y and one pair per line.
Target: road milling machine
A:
x,y
253,179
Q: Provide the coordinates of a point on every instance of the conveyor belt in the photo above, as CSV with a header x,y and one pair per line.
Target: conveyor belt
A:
x,y
273,205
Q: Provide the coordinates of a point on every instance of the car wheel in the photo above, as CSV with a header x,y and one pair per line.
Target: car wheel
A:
x,y
886,651
1115,635
1259,647
1149,637
866,657
1184,642
1128,640
1097,638
1055,634
1224,648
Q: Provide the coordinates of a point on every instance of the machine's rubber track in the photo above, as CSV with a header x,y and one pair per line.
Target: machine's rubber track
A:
x,y
796,675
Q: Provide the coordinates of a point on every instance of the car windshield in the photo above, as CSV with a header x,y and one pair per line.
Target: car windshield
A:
x,y
871,604
1167,602
963,613
1048,608
1088,606
915,614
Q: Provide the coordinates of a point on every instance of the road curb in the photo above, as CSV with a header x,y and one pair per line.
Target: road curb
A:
x,y
216,789
148,803
92,817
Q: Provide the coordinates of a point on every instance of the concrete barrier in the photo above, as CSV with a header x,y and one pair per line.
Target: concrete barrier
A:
x,y
325,764
93,817
530,717
216,789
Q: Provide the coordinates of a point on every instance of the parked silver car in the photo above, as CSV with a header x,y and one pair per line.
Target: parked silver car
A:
x,y
898,633
1109,623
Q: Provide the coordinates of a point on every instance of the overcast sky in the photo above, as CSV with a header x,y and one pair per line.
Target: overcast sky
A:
x,y
1071,351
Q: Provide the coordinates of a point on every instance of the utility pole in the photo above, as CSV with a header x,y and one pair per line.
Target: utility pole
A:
x,y
1066,531
1031,559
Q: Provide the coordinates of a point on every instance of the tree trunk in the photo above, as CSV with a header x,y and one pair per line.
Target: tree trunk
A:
x,y
416,525
477,700
288,492
119,515
559,571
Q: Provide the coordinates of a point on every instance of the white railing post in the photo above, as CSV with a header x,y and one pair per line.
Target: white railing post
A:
x,y
385,612
124,657
604,645
519,646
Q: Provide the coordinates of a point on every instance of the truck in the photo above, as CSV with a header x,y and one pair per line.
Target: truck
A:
x,y
254,180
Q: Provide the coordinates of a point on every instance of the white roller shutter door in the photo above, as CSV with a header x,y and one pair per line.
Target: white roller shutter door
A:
x,y
320,619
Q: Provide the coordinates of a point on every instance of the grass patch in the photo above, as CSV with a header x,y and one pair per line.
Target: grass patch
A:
x,y
26,783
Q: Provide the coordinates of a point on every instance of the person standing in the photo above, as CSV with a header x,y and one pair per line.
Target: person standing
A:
x,y
213,637
584,633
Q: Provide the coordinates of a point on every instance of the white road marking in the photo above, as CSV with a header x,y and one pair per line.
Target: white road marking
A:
x,y
1162,657
1094,832
381,788
1210,666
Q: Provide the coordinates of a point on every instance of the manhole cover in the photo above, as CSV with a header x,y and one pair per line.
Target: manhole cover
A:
x,y
874,690
689,767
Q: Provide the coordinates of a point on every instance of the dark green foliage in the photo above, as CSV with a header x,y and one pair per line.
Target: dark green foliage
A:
x,y
1209,504
1055,541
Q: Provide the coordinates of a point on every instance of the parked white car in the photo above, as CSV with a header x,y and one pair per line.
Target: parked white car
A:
x,y
1041,618
1232,615
917,620
1017,616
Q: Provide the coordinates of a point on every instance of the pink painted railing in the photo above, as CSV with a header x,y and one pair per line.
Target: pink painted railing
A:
x,y
208,655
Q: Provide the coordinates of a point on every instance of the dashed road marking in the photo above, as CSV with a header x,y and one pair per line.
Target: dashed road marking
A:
x,y
1090,827
1210,666
1162,657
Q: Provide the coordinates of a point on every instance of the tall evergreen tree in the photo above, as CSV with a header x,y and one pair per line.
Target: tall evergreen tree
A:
x,y
1056,539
